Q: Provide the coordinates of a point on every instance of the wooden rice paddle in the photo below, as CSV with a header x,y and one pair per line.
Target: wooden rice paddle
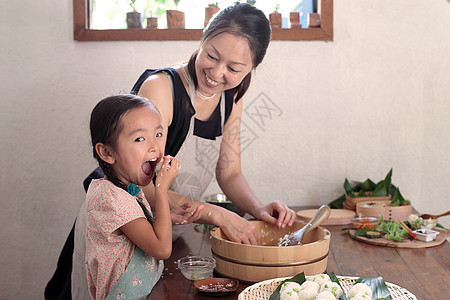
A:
x,y
427,216
295,238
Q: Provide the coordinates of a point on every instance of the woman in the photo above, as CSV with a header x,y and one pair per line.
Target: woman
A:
x,y
201,106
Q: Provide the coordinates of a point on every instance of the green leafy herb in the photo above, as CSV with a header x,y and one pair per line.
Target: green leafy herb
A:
x,y
362,231
392,231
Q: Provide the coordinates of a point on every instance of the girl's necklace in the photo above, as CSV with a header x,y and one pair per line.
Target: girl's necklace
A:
x,y
188,80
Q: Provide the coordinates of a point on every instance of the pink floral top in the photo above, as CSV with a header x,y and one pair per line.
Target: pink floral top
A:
x,y
108,208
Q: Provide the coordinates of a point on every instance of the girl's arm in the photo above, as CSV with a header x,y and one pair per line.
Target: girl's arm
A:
x,y
233,183
156,240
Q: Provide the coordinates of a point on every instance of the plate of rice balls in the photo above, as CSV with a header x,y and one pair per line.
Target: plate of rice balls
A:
x,y
325,287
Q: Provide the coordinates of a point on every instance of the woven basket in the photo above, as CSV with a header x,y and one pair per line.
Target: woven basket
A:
x,y
263,290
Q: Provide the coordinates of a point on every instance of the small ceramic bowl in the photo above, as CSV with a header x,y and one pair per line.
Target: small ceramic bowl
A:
x,y
361,222
216,286
426,235
196,267
428,223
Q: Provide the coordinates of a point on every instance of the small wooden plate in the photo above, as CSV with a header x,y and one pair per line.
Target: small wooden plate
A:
x,y
337,216
216,286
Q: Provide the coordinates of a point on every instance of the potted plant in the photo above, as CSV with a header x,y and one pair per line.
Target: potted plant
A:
x,y
294,18
154,10
314,20
175,18
275,18
133,17
152,21
210,11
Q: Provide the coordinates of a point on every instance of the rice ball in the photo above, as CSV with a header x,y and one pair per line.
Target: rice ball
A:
x,y
291,286
289,291
360,288
325,295
289,295
361,297
310,285
333,288
307,294
321,279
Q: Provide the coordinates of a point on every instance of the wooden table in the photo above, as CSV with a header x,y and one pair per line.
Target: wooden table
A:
x,y
424,272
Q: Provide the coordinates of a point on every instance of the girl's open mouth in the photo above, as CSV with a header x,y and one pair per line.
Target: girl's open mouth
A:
x,y
149,167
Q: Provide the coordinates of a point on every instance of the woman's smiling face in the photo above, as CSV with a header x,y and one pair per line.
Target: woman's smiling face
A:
x,y
140,146
222,63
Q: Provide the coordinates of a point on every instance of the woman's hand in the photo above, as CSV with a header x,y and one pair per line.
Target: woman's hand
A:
x,y
181,215
276,213
238,229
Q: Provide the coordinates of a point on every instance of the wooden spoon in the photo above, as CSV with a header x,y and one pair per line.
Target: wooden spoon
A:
x,y
295,238
427,216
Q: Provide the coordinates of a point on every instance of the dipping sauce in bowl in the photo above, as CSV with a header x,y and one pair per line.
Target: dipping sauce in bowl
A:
x,y
216,286
362,222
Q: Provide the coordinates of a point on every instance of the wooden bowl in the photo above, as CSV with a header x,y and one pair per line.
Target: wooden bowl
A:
x,y
388,212
254,263
351,202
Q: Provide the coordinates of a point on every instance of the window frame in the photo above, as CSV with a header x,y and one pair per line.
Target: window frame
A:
x,y
82,33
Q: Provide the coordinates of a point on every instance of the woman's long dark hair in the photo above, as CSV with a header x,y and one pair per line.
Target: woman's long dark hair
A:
x,y
106,125
244,20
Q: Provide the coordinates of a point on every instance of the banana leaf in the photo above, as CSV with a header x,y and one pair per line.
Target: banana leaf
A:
x,y
384,188
334,278
378,287
381,189
388,182
338,202
367,185
347,187
397,199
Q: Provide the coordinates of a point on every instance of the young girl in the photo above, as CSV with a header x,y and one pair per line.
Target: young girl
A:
x,y
125,246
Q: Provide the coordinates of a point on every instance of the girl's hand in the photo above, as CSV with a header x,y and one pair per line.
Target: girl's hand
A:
x,y
167,173
276,213
180,215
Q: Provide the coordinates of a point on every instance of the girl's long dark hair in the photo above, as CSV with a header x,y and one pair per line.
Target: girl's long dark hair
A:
x,y
244,20
106,125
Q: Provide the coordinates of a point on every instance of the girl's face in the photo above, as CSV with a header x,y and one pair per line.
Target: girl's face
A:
x,y
222,63
140,146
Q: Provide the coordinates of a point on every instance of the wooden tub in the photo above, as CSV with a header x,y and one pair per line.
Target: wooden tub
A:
x,y
254,263
388,212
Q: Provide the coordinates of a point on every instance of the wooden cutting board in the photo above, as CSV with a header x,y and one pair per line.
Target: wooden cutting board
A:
x,y
337,216
440,238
